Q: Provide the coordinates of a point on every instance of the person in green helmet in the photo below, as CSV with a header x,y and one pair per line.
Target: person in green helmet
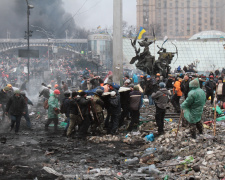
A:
x,y
193,107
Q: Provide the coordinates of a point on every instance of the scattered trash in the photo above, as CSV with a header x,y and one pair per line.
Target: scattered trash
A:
x,y
149,137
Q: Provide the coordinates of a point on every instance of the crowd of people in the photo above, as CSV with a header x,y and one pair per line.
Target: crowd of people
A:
x,y
99,106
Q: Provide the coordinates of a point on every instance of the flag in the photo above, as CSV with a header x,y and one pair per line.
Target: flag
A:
x,y
141,32
99,27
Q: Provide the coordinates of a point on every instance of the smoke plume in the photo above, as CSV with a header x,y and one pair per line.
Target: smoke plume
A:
x,y
47,14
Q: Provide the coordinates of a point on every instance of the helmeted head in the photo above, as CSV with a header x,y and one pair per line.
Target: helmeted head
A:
x,y
83,94
211,77
99,92
74,94
17,92
56,93
162,85
67,94
6,89
148,77
220,80
56,86
49,86
113,93
9,85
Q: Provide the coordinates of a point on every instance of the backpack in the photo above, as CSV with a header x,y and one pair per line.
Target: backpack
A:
x,y
45,105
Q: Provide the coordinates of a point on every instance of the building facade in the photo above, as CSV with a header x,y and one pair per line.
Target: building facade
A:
x,y
100,46
180,19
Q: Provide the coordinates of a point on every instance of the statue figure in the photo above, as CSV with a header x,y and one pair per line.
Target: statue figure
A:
x,y
145,59
146,62
162,64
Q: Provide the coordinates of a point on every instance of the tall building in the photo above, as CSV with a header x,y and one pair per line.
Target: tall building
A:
x,y
180,19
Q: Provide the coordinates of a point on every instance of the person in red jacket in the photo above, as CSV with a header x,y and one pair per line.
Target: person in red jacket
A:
x,y
177,93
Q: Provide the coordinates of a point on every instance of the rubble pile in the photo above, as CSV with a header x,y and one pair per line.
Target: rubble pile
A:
x,y
135,155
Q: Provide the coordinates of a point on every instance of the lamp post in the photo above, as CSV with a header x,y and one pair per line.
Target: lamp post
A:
x,y
28,34
47,35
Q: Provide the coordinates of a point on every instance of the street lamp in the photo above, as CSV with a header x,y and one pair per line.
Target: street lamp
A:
x,y
27,35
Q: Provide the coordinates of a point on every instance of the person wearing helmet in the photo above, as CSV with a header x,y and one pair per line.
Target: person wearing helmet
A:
x,y
26,115
53,107
177,93
45,92
75,117
142,82
65,109
193,107
161,100
16,107
210,86
84,105
97,106
4,98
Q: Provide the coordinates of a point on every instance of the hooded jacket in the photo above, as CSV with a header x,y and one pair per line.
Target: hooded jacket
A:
x,y
16,105
161,98
84,105
135,100
53,103
193,105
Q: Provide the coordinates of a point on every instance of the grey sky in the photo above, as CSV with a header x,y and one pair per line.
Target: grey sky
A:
x,y
92,13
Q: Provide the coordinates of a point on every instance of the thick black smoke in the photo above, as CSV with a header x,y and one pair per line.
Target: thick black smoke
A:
x,y
48,14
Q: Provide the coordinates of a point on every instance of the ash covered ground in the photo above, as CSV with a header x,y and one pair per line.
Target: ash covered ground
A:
x,y
44,155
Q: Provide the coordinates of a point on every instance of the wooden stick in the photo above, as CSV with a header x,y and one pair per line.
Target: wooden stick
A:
x,y
214,129
181,114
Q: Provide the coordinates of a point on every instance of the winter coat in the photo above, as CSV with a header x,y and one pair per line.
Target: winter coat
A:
x,y
115,106
176,87
16,106
193,105
27,101
45,92
4,97
84,105
73,107
169,84
155,85
135,100
142,83
52,103
97,104
125,97
161,98
185,86
149,87
210,86
66,106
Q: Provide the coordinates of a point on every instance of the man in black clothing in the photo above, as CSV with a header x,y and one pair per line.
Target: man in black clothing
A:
x,y
161,100
185,86
75,116
84,105
16,107
210,87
